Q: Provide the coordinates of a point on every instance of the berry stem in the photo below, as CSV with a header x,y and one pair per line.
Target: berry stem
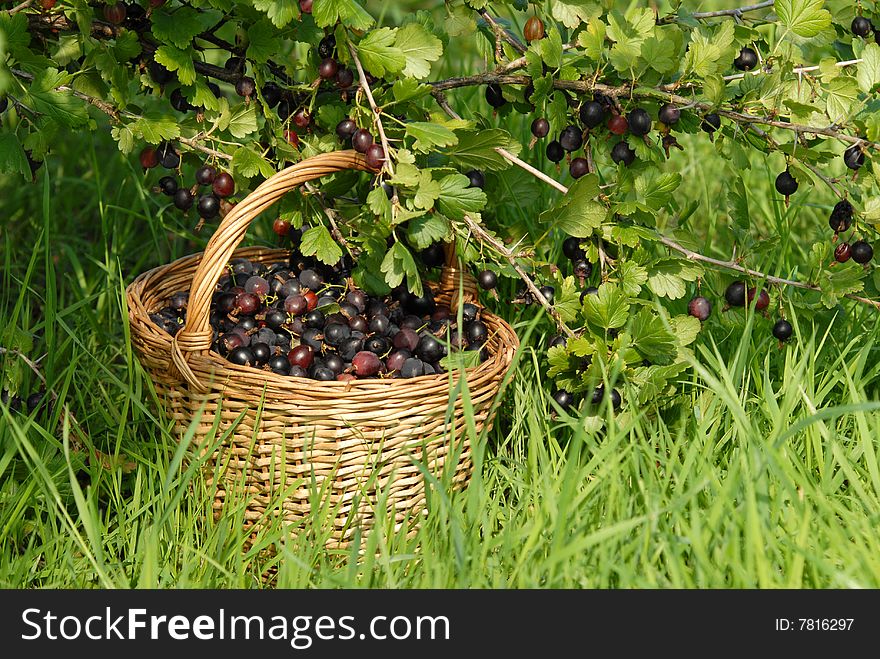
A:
x,y
376,111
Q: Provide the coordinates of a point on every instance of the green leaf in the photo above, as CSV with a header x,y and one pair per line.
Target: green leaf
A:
x,y
62,106
318,242
180,26
476,149
457,199
655,189
577,213
567,300
841,95
685,328
427,230
651,338
550,49
379,203
12,157
653,381
175,59
608,309
429,136
154,131
868,73
327,12
806,18
366,275
263,42
631,277
419,47
399,263
461,359
592,40
667,277
280,12
659,54
243,121
248,163
427,192
378,55
571,13
843,278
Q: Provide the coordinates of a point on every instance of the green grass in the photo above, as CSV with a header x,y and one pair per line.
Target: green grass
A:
x,y
763,474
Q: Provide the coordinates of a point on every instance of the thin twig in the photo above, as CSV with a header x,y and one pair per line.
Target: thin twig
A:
x,y
376,110
501,32
734,13
510,257
18,8
332,215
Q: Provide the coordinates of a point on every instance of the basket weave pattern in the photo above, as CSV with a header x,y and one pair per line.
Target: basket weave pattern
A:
x,y
285,435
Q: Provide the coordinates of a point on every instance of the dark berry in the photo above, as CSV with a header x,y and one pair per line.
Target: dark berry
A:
x,y
476,178
328,68
557,340
115,13
571,139
183,199
159,73
786,184
592,114
763,300
433,256
548,292
669,114
700,308
327,46
571,248
262,353
615,399
540,127
578,167
168,185
168,156
148,156
622,153
746,60
711,122
861,26
281,227
862,252
375,156
344,78
412,368
782,330
224,185
487,280
245,87
272,94
361,140
302,356
179,102
208,206
494,96
842,252
639,122
477,333
206,175
302,118
564,399
242,356
555,152
736,294
854,157
582,268
841,216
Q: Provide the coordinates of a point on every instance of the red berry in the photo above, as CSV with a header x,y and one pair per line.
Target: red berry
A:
x,y
281,227
534,29
328,68
115,13
842,253
302,356
375,156
224,185
47,4
763,298
149,159
617,124
361,140
305,6
366,363
292,138
311,300
301,118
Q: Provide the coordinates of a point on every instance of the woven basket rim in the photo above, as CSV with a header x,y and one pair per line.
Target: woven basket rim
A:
x,y
500,357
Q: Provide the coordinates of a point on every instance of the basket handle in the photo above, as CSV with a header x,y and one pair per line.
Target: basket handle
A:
x,y
196,336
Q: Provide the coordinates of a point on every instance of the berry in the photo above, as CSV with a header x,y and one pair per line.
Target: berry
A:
x,y
861,26
854,157
328,68
476,178
430,349
477,333
168,185
234,63
412,368
615,399
406,339
148,156
582,268
183,199
711,122
842,252
555,152
262,353
305,6
639,122
302,356
571,139
862,252
375,156
168,156
179,102
295,304
245,87
571,248
257,285
534,29
618,124
115,13
344,78
206,175
736,294
592,114
224,185
281,227
361,140
622,153
272,94
345,129
786,184
746,60
763,300
564,399
578,167
208,206
548,292
433,256
494,96
159,73
242,356
783,330
540,127
327,46
700,308
841,216
669,114
557,340
487,280
302,118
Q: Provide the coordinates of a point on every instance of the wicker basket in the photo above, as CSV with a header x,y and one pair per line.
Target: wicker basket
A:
x,y
360,442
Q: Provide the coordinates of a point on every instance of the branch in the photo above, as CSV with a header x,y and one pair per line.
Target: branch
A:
x,y
510,257
501,32
735,13
376,110
18,8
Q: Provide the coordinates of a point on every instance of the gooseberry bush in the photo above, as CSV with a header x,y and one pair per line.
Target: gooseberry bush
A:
x,y
210,97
